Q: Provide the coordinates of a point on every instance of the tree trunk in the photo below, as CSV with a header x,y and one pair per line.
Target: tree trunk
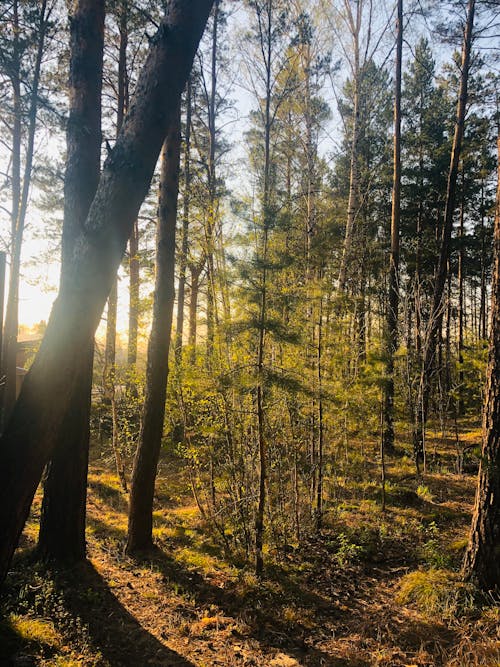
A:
x,y
181,291
20,203
481,562
437,309
212,203
134,285
461,267
62,522
140,525
195,270
353,202
27,443
262,449
393,301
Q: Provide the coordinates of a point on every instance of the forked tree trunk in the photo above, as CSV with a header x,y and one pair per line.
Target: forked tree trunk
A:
x,y
140,520
437,309
62,523
482,563
27,443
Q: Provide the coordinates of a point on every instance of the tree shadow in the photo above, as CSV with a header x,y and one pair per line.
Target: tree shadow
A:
x,y
258,607
109,494
91,614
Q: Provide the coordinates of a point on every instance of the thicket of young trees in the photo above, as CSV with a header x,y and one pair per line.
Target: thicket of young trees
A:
x,y
327,261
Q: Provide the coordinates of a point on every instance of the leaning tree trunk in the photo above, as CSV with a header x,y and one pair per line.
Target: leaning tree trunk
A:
x,y
437,309
482,563
140,520
393,302
62,524
27,443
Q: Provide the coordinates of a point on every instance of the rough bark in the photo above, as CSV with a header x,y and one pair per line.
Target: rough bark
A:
x,y
62,524
482,562
27,442
140,521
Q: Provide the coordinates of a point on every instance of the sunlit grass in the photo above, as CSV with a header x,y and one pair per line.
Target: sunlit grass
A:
x,y
436,592
36,630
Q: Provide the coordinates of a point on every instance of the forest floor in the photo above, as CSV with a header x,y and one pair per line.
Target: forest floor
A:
x,y
375,588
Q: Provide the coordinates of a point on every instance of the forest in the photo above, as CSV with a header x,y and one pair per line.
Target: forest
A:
x,y
250,333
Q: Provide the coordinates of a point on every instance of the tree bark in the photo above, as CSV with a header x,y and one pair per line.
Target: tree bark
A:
x,y
437,308
62,523
393,301
27,442
140,523
481,562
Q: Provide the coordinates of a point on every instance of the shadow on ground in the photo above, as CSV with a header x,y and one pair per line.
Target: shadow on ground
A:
x,y
87,607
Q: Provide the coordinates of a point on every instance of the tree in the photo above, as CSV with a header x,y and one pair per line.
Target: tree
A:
x,y
140,527
437,308
481,562
62,524
15,67
393,301
27,442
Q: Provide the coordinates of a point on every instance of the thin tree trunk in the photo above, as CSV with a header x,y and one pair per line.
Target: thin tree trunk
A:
x,y
27,442
133,258
140,522
353,202
481,562
321,426
20,206
262,449
195,271
181,291
393,301
134,286
212,204
62,521
483,314
109,371
437,309
461,249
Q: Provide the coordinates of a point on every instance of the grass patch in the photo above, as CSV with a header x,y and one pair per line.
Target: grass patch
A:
x,y
36,630
436,592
